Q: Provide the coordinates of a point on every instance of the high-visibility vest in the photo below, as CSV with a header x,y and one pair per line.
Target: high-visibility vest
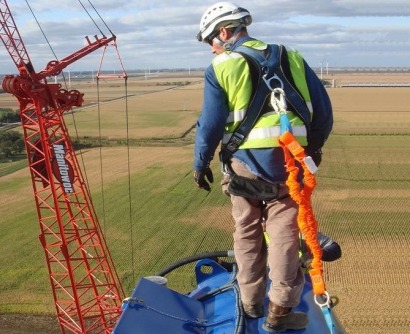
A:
x,y
234,76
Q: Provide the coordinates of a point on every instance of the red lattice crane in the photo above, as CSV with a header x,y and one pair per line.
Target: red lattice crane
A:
x,y
85,285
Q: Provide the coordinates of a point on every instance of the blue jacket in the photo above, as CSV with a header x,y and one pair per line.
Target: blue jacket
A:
x,y
267,163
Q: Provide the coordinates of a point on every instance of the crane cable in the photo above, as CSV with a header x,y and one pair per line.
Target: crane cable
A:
x,y
99,119
95,10
65,82
41,29
130,207
89,15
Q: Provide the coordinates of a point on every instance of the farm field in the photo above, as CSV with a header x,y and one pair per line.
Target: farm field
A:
x,y
361,199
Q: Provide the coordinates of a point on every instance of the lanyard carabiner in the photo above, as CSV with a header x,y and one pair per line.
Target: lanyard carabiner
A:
x,y
278,101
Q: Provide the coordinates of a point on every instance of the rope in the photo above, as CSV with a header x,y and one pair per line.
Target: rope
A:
x,y
100,153
130,208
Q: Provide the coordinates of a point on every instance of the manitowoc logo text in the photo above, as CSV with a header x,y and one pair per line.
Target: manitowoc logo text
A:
x,y
62,169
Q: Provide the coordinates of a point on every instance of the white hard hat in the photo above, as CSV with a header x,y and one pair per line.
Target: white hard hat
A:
x,y
227,12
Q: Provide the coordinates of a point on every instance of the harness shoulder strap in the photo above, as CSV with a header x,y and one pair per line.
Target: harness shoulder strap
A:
x,y
267,73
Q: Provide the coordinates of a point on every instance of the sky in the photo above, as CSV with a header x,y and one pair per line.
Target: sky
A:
x,y
154,34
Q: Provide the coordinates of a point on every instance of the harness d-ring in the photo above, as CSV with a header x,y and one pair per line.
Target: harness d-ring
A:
x,y
273,77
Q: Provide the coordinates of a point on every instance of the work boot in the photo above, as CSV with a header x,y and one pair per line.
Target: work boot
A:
x,y
280,319
253,310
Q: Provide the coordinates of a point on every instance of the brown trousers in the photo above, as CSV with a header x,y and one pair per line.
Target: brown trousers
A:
x,y
251,253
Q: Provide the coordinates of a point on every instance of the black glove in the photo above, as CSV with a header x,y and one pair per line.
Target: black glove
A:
x,y
199,177
316,155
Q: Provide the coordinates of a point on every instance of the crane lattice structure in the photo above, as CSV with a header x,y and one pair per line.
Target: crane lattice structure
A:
x,y
85,285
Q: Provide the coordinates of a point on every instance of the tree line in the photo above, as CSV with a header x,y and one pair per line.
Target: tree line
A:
x,y
11,142
8,115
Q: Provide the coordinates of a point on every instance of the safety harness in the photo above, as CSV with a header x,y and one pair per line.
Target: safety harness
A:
x,y
269,70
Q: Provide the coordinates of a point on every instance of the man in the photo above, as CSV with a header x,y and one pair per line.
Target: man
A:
x,y
254,173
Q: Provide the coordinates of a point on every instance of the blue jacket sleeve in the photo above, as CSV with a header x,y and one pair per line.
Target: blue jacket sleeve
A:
x,y
211,122
322,120
331,250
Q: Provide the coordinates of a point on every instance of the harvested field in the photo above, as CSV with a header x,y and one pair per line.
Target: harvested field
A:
x,y
361,199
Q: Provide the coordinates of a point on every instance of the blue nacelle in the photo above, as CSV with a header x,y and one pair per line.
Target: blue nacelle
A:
x,y
214,307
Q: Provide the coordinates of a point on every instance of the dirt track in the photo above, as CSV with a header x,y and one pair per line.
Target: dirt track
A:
x,y
28,324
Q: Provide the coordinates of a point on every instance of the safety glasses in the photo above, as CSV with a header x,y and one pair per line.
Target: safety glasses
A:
x,y
210,39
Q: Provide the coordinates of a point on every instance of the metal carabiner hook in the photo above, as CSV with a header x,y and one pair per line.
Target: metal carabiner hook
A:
x,y
278,101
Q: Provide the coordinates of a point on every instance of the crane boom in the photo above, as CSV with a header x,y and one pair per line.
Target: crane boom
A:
x,y
11,38
85,285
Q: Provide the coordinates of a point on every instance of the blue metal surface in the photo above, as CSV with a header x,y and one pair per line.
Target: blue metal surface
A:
x,y
212,308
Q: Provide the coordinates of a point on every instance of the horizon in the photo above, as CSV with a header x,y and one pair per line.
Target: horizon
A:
x,y
158,34
359,69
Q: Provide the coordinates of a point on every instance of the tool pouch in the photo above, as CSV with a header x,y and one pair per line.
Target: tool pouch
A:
x,y
254,189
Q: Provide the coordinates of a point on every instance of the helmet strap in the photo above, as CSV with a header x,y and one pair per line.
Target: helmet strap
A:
x,y
228,44
218,41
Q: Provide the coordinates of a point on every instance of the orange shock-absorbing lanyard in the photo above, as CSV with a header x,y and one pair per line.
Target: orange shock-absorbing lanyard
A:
x,y
307,223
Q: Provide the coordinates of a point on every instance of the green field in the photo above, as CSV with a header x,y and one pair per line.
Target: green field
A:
x,y
361,200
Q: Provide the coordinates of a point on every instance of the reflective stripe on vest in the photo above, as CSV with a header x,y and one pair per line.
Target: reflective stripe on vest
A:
x,y
232,73
266,132
267,137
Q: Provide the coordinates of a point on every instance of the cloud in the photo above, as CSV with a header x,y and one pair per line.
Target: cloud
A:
x,y
161,34
337,8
